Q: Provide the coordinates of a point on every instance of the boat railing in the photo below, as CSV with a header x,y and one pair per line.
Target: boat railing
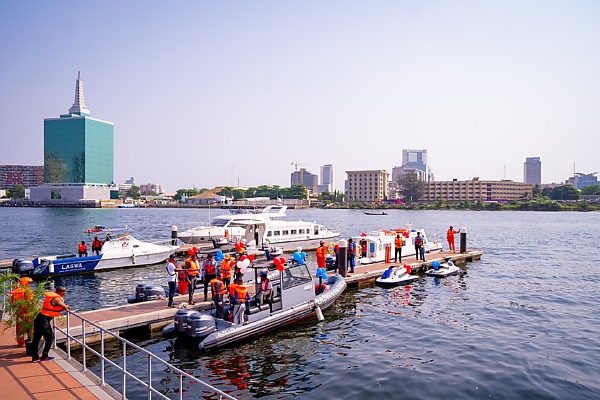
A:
x,y
129,349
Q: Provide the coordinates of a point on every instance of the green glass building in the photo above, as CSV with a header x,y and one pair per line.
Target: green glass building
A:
x,y
77,148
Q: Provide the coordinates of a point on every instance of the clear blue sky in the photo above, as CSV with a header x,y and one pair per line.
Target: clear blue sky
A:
x,y
206,93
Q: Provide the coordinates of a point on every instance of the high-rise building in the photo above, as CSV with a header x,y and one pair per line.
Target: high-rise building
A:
x,y
532,171
26,175
367,186
415,159
78,148
304,177
327,179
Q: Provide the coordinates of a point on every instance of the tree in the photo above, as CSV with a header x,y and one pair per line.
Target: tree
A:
x,y
410,186
591,190
565,192
227,191
298,192
186,193
536,190
133,192
17,192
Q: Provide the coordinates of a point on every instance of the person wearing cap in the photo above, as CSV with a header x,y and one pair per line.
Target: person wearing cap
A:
x,y
193,272
171,277
22,293
226,266
321,254
265,289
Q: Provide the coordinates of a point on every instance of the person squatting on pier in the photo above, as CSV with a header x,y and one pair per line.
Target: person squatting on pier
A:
x,y
450,237
209,272
193,271
53,305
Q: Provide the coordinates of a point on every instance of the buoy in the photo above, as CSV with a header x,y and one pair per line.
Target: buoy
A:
x,y
319,313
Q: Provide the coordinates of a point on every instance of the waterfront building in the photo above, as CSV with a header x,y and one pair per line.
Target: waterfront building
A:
x,y
78,155
327,179
475,190
305,178
25,175
532,171
367,186
151,188
579,180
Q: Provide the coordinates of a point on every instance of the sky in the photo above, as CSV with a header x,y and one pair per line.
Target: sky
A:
x,y
228,93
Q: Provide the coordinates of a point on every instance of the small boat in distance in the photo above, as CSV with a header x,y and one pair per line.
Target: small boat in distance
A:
x,y
374,213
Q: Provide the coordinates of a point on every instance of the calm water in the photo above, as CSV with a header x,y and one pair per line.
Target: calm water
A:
x,y
522,323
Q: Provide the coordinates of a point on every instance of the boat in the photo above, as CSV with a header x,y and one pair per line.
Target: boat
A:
x,y
441,270
395,276
286,235
374,213
380,244
118,251
223,228
294,300
126,205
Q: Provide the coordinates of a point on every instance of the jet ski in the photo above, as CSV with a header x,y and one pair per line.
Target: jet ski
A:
x,y
441,270
394,276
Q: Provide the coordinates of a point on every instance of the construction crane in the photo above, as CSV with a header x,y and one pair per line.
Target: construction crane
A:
x,y
296,163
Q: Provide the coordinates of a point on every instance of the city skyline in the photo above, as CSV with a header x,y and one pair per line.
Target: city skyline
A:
x,y
216,94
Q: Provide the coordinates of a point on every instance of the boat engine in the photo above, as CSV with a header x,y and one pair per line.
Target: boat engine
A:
x,y
144,292
200,325
22,266
181,320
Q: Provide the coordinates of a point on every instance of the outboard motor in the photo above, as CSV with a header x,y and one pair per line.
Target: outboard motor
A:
x,y
153,292
200,325
181,320
330,263
22,266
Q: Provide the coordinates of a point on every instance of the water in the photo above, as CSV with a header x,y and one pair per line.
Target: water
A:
x,y
522,323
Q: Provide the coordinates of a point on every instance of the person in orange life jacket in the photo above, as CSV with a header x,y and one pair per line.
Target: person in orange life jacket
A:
x,y
398,242
321,254
450,238
218,292
419,248
336,250
265,289
97,245
209,272
21,293
193,273
231,292
363,250
52,307
351,254
240,298
226,265
171,277
82,249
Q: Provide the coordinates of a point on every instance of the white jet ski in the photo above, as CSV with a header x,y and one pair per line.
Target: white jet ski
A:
x,y
442,270
395,275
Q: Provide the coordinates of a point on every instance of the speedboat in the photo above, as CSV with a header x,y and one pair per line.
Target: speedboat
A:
x,y
441,270
294,299
395,276
118,251
379,244
224,227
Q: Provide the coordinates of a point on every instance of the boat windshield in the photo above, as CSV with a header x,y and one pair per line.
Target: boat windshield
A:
x,y
219,221
296,275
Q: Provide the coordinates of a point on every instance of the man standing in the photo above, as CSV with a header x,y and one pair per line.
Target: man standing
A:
x,y
450,238
226,270
171,277
209,272
419,248
240,298
193,272
23,294
321,254
398,242
351,254
52,307
218,291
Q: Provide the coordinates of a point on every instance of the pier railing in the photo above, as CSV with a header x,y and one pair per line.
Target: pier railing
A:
x,y
126,346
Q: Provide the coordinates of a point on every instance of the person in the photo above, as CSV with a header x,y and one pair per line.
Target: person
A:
x,y
265,289
21,293
321,254
82,249
450,238
218,292
53,305
240,298
182,280
398,243
336,250
363,250
193,272
209,272
351,254
419,249
226,270
97,245
171,278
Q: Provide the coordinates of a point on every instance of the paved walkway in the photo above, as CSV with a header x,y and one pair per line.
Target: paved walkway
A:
x,y
57,379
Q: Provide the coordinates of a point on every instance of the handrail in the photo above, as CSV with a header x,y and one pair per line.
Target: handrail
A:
x,y
123,368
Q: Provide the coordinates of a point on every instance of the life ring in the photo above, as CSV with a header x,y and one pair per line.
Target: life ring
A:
x,y
331,248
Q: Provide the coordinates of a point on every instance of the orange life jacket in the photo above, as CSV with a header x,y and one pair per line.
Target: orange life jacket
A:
x,y
226,269
222,290
20,293
193,267
82,247
398,242
242,293
232,287
47,308
209,268
96,244
450,234
321,251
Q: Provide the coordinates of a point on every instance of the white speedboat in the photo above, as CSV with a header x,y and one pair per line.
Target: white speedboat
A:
x,y
294,299
118,251
395,276
225,227
380,242
441,270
